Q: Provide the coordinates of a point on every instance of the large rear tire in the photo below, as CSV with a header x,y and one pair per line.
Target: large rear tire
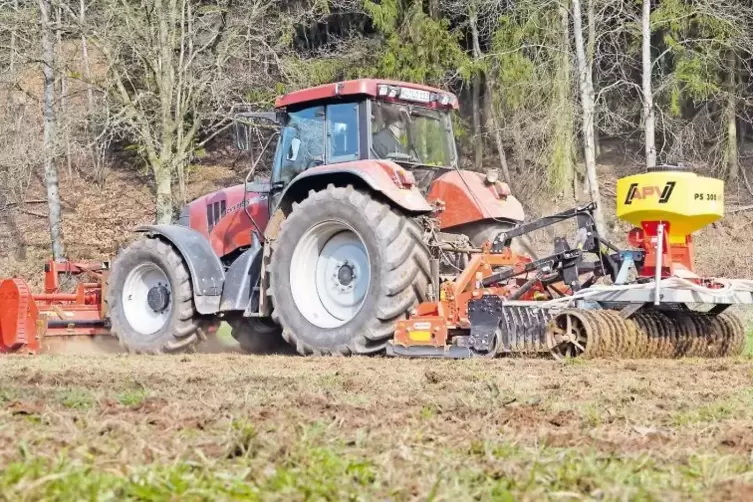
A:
x,y
150,300
344,270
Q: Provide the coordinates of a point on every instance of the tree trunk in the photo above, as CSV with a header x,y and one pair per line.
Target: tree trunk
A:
x,y
168,125
50,169
478,139
591,57
733,165
181,172
491,125
85,61
162,179
563,169
588,105
12,61
434,9
648,98
97,159
62,111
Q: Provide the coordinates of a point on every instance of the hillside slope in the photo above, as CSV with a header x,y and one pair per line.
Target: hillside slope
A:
x,y
97,220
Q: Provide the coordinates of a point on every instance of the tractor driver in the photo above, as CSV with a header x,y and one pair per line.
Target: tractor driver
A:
x,y
390,134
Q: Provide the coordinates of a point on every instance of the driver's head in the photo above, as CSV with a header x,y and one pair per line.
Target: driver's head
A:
x,y
387,114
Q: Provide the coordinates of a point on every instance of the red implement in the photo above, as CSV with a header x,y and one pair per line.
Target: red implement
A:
x,y
26,319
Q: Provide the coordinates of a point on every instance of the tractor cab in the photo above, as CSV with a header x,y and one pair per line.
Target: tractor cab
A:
x,y
359,120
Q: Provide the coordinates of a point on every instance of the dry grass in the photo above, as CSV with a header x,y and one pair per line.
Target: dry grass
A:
x,y
208,427
97,219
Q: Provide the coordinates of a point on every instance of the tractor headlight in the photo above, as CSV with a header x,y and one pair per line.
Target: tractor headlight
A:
x,y
492,176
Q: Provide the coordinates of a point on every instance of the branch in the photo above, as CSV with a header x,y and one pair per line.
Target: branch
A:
x,y
740,209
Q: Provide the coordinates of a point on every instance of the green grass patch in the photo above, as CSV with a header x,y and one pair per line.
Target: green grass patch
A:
x,y
132,397
7,395
482,471
735,406
75,398
704,414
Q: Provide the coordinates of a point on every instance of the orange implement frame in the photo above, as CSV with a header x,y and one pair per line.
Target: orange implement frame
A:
x,y
26,319
431,322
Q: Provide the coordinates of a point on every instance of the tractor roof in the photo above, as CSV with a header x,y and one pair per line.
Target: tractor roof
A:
x,y
366,86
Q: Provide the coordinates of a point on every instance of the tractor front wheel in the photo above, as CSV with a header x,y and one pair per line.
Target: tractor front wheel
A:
x,y
150,300
344,270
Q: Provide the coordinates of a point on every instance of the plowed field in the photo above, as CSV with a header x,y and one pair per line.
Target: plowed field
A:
x,y
227,426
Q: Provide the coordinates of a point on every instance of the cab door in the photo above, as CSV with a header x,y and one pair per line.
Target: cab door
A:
x,y
301,146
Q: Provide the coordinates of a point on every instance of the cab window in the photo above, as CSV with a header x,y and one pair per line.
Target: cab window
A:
x,y
342,132
302,144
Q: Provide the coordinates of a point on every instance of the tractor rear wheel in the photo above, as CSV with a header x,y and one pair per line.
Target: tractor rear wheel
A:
x,y
344,270
257,336
150,300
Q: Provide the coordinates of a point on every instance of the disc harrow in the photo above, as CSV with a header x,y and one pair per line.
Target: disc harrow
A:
x,y
648,334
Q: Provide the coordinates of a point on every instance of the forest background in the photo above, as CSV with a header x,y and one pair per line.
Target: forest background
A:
x,y
117,112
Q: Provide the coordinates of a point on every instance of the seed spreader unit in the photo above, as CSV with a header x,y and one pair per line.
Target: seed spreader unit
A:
x,y
591,298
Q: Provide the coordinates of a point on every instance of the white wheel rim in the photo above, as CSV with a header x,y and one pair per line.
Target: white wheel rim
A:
x,y
330,274
140,314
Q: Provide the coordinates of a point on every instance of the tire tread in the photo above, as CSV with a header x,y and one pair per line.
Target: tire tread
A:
x,y
190,328
407,271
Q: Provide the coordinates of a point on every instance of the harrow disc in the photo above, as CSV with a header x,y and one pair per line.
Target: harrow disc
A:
x,y
648,334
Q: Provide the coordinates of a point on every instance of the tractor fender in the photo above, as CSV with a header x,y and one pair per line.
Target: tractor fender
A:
x,y
380,176
241,278
207,273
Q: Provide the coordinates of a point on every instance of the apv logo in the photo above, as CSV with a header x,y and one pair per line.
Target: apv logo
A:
x,y
646,192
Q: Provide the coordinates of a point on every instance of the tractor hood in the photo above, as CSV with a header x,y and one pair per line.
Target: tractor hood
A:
x,y
229,216
467,196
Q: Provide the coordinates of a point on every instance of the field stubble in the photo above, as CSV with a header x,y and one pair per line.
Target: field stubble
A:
x,y
227,426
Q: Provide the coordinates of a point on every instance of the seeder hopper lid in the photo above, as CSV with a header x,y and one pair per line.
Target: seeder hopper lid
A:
x,y
686,201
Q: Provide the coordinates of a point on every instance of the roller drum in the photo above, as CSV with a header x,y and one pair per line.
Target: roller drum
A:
x,y
648,334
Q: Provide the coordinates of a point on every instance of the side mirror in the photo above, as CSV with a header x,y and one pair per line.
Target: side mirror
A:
x,y
295,145
241,134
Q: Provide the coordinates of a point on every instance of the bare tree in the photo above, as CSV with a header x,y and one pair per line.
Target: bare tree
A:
x,y
177,67
588,105
493,125
731,154
85,60
563,125
62,110
478,139
12,58
648,97
50,168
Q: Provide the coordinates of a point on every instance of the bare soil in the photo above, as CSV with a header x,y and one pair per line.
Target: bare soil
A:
x,y
91,423
228,426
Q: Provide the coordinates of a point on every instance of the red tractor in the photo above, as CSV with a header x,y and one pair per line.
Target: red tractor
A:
x,y
365,210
